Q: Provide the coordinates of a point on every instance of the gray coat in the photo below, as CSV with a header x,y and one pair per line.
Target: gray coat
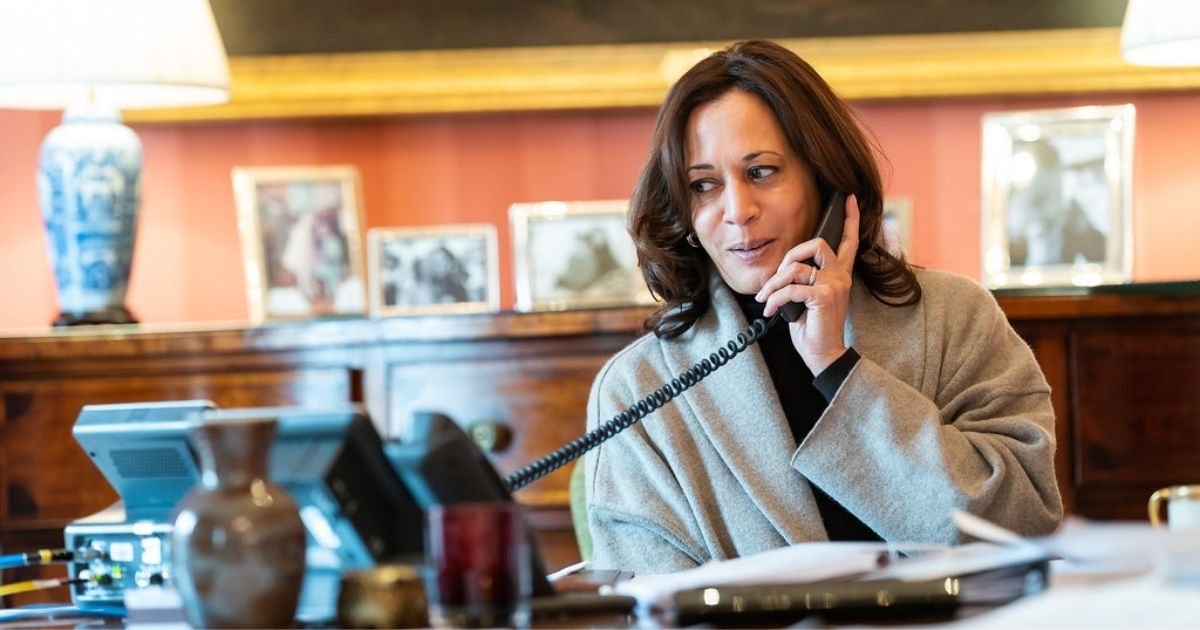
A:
x,y
947,408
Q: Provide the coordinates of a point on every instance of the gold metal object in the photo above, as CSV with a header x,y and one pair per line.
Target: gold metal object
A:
x,y
386,596
1061,61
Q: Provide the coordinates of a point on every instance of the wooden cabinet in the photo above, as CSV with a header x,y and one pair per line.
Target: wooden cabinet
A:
x,y
524,376
1124,369
1125,373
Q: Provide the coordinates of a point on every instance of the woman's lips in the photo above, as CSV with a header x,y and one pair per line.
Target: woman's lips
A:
x,y
750,251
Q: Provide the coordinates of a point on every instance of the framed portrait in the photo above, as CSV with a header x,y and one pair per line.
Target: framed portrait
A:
x,y
570,255
301,240
897,225
1057,197
440,269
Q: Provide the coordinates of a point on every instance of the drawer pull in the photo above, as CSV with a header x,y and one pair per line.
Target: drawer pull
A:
x,y
492,436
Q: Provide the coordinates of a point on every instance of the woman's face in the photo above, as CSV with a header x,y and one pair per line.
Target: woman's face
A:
x,y
753,198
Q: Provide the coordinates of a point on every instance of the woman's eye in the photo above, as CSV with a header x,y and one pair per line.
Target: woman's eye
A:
x,y
702,186
759,172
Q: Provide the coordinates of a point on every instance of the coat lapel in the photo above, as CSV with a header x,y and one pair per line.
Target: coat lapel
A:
x,y
739,413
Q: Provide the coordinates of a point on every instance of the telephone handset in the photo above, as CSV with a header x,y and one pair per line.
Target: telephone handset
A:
x,y
829,228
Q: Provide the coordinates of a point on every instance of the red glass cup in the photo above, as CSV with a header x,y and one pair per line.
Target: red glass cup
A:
x,y
477,559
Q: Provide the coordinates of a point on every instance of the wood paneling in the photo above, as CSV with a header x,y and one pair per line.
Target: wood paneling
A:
x,y
873,67
37,428
291,27
1123,369
528,372
1137,408
541,400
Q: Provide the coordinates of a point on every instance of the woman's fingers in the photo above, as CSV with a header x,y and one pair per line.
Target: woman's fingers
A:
x,y
847,250
798,263
789,273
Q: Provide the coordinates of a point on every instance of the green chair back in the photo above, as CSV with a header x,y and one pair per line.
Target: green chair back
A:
x,y
579,518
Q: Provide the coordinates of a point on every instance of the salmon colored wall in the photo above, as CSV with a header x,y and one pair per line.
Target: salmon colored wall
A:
x,y
934,150
469,168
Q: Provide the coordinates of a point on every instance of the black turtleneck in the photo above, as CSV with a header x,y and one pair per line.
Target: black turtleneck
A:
x,y
804,399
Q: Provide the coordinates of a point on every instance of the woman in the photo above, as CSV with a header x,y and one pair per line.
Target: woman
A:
x,y
900,394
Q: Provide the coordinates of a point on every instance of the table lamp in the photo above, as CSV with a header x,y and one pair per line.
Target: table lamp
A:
x,y
92,57
1161,33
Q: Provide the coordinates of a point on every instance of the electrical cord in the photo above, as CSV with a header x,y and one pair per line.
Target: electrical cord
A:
x,y
41,556
46,612
36,585
642,408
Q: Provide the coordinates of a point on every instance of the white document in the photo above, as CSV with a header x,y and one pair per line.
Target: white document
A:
x,y
1141,603
1104,547
961,560
803,562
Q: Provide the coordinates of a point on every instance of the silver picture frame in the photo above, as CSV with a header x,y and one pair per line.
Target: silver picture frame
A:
x,y
301,237
574,255
897,225
1057,197
433,270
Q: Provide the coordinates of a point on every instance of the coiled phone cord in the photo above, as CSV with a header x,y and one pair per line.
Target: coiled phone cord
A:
x,y
642,408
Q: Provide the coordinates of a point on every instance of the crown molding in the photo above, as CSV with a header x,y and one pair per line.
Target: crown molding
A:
x,y
584,77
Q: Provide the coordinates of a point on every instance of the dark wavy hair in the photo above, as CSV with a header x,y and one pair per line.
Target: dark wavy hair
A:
x,y
820,128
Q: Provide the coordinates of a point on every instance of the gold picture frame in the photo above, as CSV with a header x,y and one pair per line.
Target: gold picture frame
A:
x,y
860,68
575,255
301,234
435,269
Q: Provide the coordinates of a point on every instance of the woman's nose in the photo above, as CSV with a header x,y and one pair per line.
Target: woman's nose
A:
x,y
739,204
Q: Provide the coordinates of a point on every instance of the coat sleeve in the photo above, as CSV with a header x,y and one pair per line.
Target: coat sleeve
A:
x,y
638,516
982,442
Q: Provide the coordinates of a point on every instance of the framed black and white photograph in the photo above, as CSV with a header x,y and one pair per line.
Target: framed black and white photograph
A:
x,y
438,269
570,255
300,228
897,225
1057,197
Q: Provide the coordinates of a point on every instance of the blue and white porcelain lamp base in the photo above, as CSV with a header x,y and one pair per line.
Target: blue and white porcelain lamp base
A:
x,y
89,186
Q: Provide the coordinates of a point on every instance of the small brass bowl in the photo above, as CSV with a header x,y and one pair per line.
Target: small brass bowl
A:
x,y
386,596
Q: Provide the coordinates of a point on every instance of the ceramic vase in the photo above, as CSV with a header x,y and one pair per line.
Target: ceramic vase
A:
x,y
89,184
238,543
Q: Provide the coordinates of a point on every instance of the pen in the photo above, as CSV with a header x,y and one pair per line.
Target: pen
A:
x,y
567,570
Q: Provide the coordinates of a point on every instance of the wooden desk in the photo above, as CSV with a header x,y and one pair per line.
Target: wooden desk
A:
x,y
1124,369
521,378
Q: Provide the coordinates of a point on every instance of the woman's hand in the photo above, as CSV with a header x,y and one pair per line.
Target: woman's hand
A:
x,y
819,335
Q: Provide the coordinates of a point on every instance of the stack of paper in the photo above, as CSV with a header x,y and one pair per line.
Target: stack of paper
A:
x,y
1111,549
805,562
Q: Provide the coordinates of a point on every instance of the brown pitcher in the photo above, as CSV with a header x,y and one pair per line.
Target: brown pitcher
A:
x,y
238,543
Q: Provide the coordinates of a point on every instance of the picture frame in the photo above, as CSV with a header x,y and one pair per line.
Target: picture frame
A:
x,y
301,236
1057,197
897,225
435,269
575,255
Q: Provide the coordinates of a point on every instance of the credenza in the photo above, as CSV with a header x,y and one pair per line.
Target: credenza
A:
x,y
1124,368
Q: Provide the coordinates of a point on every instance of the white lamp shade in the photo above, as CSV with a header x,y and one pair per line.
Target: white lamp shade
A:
x,y
1161,33
125,53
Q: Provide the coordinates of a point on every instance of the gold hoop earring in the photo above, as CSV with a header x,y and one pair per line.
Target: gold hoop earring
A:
x,y
691,240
